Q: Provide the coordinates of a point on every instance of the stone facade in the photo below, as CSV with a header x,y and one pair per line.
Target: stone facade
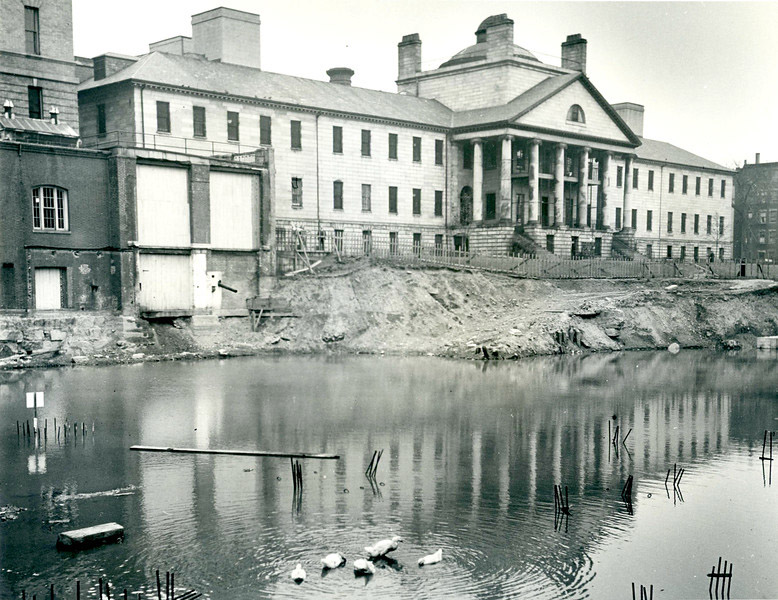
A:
x,y
756,212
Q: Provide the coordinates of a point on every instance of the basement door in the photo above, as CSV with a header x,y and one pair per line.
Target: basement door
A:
x,y
50,288
164,282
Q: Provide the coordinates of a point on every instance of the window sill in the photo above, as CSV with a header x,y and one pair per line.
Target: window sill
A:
x,y
335,153
233,142
339,209
163,132
366,156
366,211
294,207
199,137
296,149
394,158
54,231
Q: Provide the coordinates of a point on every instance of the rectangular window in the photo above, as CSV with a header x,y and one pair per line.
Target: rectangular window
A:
x,y
393,146
490,206
618,217
367,241
669,222
635,173
49,209
416,149
619,176
198,121
417,244
683,222
393,244
392,200
416,201
649,220
710,187
438,241
696,224
438,152
696,253
32,30
233,126
265,130
366,193
296,135
467,156
297,192
339,239
721,225
337,139
163,117
634,218
337,195
683,253
101,119
35,102
650,250
710,224
550,243
438,203
723,188
721,253
671,184
669,252
697,185
365,142
685,184
650,181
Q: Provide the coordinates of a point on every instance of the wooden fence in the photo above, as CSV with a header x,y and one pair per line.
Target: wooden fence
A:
x,y
539,267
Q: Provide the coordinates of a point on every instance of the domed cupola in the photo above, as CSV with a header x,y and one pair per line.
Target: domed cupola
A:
x,y
494,41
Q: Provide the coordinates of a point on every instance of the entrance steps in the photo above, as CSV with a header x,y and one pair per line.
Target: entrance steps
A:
x,y
204,323
134,331
521,242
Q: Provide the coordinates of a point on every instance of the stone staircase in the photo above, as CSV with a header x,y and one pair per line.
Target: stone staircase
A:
x,y
521,242
623,245
204,323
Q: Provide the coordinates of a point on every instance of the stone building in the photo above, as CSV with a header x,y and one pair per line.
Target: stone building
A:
x,y
493,151
756,212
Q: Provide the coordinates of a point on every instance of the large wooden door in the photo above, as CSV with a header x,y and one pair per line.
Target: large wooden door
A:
x,y
49,288
164,282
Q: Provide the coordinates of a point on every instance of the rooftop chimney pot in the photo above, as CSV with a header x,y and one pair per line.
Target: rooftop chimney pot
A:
x,y
340,75
758,156
574,53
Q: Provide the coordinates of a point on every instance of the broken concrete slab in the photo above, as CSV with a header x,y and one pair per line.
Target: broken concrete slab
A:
x,y
105,533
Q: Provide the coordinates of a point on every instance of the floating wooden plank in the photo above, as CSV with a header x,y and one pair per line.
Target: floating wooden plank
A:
x,y
236,452
90,536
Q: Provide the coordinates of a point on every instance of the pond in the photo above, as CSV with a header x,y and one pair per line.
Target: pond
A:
x,y
472,452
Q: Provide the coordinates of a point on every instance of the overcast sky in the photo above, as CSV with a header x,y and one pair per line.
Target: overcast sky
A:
x,y
706,72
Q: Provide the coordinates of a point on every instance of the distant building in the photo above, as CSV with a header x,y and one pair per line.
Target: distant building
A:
x,y
756,212
493,151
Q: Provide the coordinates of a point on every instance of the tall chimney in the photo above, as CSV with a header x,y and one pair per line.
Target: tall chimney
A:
x,y
227,35
574,53
409,56
758,156
497,32
341,75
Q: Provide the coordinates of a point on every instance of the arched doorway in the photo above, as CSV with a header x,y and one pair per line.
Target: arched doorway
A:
x,y
466,205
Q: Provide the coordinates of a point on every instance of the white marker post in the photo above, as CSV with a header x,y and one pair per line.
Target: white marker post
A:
x,y
34,400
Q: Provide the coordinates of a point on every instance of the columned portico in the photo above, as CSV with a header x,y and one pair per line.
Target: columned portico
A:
x,y
559,184
534,182
504,212
626,218
478,180
583,186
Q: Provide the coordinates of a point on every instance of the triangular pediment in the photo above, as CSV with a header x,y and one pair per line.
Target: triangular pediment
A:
x,y
553,112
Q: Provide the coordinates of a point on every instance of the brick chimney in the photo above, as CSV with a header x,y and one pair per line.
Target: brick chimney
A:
x,y
497,32
632,115
340,75
227,35
409,56
757,157
574,53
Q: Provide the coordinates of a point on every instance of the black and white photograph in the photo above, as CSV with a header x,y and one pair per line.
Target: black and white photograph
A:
x,y
388,299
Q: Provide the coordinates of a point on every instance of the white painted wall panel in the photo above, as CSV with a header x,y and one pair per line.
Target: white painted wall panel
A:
x,y
163,206
233,211
164,282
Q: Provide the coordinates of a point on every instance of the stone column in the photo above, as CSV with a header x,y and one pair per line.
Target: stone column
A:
x,y
626,212
478,181
583,187
505,179
604,190
559,185
534,183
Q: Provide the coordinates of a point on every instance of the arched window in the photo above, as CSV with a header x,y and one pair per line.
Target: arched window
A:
x,y
576,114
50,209
466,205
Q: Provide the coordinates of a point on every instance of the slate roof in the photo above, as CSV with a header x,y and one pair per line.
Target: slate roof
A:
x,y
200,74
38,126
667,153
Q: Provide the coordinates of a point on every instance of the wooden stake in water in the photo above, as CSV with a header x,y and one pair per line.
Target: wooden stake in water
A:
x,y
159,587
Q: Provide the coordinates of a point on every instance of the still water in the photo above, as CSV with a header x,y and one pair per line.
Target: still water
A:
x,y
472,451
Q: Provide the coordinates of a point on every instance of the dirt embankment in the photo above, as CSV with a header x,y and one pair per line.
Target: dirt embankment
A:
x,y
369,308
363,307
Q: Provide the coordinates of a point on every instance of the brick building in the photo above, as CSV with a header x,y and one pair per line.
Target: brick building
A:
x,y
492,151
756,212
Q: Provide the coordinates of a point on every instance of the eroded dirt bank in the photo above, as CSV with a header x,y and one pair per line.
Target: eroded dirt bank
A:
x,y
361,307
